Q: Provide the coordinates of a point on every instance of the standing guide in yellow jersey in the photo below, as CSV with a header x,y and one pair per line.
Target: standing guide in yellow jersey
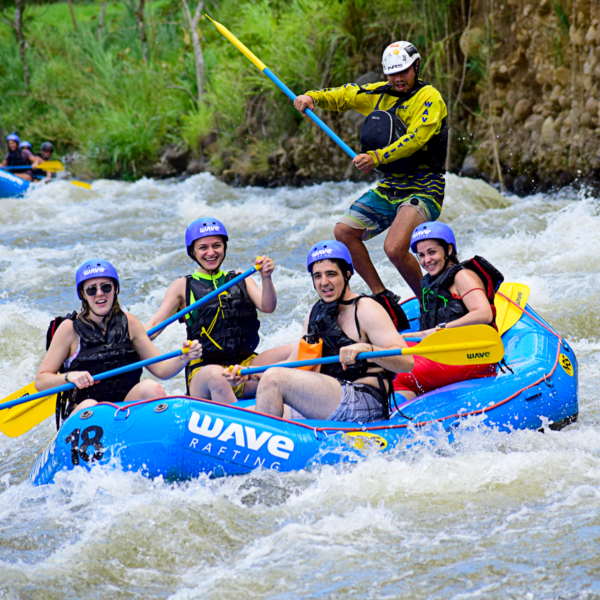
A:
x,y
405,137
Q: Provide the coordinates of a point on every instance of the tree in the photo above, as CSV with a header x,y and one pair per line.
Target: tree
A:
x,y
198,58
16,23
138,11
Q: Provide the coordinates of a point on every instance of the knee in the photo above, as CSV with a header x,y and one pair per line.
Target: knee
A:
x,y
397,251
344,233
272,377
152,389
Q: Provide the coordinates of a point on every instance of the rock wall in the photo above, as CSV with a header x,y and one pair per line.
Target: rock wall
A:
x,y
539,105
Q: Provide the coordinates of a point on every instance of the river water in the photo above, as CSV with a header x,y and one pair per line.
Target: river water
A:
x,y
492,515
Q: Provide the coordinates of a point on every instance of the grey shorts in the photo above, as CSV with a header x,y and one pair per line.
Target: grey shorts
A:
x,y
360,403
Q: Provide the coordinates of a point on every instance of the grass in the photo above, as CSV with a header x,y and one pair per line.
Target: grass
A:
x,y
100,99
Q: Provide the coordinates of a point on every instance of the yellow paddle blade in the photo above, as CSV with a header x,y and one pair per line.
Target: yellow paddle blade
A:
x,y
51,166
245,51
469,345
19,419
81,184
507,314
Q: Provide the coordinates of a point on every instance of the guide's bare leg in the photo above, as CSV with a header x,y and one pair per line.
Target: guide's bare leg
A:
x,y
397,247
352,238
313,395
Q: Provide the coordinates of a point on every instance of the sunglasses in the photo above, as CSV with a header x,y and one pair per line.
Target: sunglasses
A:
x,y
93,289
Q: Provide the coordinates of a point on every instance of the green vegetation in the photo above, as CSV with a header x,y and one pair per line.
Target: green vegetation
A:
x,y
95,95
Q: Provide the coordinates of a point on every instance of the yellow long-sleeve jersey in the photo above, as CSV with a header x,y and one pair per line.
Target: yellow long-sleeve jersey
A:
x,y
422,113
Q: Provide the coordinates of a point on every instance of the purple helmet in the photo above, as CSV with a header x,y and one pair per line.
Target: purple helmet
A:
x,y
25,144
329,249
14,137
432,230
96,267
201,228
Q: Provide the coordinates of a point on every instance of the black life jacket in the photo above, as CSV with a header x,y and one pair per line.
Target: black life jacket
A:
x,y
14,158
439,306
39,173
323,324
100,352
383,127
227,327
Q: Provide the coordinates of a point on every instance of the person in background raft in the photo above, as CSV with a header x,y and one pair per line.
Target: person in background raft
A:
x,y
405,137
100,338
347,324
227,326
19,157
455,294
45,154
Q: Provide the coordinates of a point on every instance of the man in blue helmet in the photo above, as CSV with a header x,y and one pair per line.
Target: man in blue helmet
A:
x,y
227,327
347,324
404,137
19,156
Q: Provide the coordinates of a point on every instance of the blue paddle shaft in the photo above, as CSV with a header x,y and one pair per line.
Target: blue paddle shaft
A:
x,y
202,301
322,361
99,377
334,136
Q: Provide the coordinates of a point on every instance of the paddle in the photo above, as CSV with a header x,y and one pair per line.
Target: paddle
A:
x,y
507,314
286,90
469,345
23,420
99,377
50,166
81,184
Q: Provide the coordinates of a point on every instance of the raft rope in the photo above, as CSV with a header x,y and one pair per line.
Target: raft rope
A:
x,y
316,430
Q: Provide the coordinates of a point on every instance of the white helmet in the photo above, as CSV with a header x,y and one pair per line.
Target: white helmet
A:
x,y
398,57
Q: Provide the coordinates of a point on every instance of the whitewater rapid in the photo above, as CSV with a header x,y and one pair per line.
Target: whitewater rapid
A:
x,y
490,515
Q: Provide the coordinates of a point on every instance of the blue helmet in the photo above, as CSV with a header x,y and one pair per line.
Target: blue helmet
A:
x,y
96,267
432,230
329,249
14,137
201,228
25,144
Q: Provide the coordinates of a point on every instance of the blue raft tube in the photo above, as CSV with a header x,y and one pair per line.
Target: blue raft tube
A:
x,y
180,438
12,186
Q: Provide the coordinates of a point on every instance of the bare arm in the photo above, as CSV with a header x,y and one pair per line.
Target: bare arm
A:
x,y
265,300
173,301
146,349
377,325
480,311
64,344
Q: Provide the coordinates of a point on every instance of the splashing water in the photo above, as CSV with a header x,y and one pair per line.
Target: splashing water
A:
x,y
489,515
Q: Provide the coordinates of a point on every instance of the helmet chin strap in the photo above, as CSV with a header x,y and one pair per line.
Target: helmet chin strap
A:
x,y
345,302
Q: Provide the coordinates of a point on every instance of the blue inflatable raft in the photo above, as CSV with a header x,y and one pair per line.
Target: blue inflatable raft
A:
x,y
11,185
179,438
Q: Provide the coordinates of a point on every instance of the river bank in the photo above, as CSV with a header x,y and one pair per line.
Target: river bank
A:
x,y
127,93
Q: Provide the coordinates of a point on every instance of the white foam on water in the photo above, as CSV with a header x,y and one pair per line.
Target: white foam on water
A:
x,y
489,514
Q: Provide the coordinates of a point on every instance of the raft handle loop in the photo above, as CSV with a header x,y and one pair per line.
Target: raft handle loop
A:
x,y
548,381
121,411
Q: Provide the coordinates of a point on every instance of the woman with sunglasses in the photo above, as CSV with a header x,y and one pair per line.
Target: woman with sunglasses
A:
x,y
100,338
